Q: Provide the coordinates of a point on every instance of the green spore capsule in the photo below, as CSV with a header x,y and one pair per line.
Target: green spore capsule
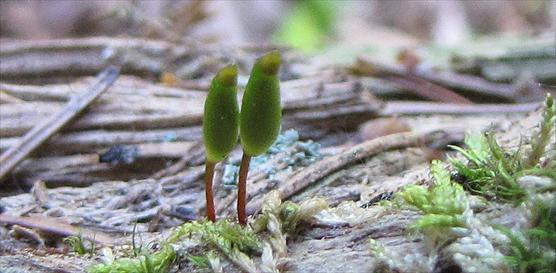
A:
x,y
259,119
221,116
260,110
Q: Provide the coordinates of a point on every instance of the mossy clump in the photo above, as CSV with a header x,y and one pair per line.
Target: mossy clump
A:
x,y
290,214
222,234
77,245
146,262
442,204
492,172
522,179
534,250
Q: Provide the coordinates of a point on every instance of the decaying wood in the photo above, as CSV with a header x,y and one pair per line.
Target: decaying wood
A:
x,y
124,109
447,129
86,56
291,182
468,84
506,63
369,179
5,98
347,157
194,156
44,130
120,204
152,117
36,263
92,140
48,59
163,188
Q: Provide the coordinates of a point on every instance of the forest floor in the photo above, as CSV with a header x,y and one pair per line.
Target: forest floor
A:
x,y
121,175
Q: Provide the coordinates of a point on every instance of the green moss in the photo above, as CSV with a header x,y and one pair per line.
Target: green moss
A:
x,y
260,109
231,239
307,24
535,249
221,116
198,261
226,236
493,172
290,214
158,262
540,141
442,204
77,245
450,229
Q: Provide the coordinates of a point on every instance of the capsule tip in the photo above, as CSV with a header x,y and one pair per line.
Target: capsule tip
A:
x,y
270,63
227,76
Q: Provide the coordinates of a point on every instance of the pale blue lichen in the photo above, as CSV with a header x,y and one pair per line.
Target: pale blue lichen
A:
x,y
169,137
229,176
293,153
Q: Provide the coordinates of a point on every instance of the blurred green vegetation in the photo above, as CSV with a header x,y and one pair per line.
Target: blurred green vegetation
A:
x,y
307,25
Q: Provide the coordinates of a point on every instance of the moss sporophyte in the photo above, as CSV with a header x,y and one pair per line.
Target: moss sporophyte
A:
x,y
259,119
220,126
258,124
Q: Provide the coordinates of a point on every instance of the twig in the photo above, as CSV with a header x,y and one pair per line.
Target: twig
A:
x,y
408,81
470,83
461,82
22,59
54,226
94,139
427,89
423,108
63,92
42,131
7,98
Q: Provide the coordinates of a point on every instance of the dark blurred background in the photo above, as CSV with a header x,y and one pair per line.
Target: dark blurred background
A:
x,y
306,25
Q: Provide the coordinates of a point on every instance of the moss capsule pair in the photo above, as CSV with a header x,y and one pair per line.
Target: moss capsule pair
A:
x,y
258,123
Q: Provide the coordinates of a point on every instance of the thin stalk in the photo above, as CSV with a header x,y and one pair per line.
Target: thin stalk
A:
x,y
209,172
242,189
